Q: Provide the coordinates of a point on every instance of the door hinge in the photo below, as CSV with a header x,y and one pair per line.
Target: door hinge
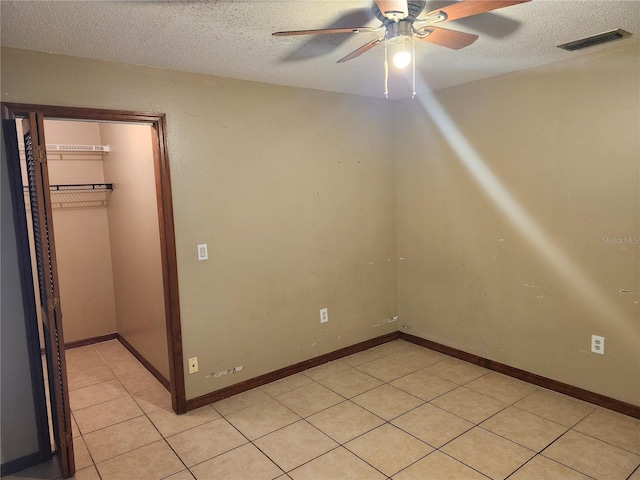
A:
x,y
66,440
53,302
39,154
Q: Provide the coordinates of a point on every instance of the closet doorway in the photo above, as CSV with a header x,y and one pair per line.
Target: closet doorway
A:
x,y
103,187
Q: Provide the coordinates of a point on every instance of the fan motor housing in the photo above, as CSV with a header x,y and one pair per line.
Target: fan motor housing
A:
x,y
414,8
400,29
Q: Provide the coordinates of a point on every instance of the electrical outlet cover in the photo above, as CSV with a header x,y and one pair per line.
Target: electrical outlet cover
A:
x,y
597,344
193,365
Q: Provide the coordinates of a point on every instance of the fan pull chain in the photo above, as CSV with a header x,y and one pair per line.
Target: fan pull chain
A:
x,y
386,71
413,62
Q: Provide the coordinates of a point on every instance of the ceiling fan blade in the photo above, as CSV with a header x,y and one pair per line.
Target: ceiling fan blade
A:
x,y
467,8
446,38
393,9
361,50
491,24
323,31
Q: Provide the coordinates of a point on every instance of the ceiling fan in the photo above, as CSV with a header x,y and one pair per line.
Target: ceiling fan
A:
x,y
403,21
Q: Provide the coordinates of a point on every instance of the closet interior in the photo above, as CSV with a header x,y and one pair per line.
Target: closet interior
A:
x,y
106,232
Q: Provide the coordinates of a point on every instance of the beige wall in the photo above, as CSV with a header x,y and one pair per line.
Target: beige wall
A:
x,y
135,242
293,190
525,275
295,193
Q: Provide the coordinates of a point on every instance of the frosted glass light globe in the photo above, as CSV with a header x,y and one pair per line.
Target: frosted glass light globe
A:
x,y
401,59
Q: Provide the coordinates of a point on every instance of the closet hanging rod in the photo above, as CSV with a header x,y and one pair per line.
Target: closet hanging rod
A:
x,y
77,187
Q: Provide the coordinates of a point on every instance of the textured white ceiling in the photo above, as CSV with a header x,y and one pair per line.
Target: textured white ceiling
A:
x,y
233,38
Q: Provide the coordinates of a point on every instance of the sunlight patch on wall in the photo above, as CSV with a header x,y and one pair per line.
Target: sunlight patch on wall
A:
x,y
535,235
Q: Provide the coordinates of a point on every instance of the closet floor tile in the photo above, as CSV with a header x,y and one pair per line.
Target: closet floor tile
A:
x,y
107,413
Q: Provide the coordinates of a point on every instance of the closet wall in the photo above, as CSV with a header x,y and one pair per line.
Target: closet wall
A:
x,y
81,232
135,241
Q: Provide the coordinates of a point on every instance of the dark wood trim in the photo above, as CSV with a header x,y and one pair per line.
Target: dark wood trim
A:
x,y
47,268
287,371
12,110
576,392
169,266
165,211
153,370
21,463
90,341
26,285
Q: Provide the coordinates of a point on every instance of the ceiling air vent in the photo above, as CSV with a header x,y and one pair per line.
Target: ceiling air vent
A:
x,y
595,40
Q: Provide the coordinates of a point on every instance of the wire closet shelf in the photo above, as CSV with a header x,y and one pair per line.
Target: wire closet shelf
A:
x,y
78,195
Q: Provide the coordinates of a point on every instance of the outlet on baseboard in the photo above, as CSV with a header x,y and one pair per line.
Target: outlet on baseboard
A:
x,y
193,365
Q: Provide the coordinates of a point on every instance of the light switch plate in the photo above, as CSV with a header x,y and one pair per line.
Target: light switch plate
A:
x,y
203,254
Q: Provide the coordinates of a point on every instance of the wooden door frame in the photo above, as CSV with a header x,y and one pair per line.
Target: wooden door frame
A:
x,y
165,218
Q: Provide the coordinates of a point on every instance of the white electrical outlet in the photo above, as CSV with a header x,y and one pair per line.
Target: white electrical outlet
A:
x,y
324,315
597,344
193,365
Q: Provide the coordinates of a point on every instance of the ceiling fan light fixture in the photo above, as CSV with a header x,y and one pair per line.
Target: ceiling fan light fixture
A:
x,y
399,34
401,58
397,18
399,47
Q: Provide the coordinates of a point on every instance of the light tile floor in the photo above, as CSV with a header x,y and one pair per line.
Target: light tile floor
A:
x,y
396,411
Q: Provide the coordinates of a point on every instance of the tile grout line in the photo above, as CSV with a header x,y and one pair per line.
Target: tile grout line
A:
x,y
558,461
345,399
144,413
478,424
637,469
350,399
385,422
